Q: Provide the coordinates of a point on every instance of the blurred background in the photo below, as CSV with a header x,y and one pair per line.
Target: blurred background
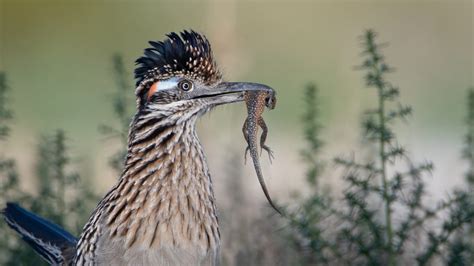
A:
x,y
59,60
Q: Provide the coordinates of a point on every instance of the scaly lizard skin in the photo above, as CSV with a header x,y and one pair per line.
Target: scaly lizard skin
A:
x,y
256,102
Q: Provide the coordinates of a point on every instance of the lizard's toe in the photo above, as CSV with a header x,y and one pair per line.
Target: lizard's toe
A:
x,y
270,152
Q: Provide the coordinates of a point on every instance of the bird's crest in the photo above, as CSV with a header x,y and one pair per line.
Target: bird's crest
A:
x,y
187,54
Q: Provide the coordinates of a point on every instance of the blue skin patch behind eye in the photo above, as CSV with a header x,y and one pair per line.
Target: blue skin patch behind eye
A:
x,y
167,84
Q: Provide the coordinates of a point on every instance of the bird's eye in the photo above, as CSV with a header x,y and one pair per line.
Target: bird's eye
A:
x,y
185,85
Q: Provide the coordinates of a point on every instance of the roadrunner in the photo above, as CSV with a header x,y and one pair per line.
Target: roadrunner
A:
x,y
162,211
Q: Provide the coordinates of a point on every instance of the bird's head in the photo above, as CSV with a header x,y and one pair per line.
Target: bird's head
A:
x,y
181,75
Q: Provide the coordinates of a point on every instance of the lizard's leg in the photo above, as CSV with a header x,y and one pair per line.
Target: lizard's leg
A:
x,y
263,138
246,136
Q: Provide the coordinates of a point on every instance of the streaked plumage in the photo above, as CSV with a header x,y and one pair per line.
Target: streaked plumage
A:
x,y
162,211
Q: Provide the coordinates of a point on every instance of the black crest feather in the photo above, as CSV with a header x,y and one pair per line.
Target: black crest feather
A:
x,y
187,54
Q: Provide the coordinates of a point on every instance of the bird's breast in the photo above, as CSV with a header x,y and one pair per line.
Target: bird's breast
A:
x,y
163,212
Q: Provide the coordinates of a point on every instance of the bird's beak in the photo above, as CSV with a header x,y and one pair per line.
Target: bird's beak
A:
x,y
230,87
228,92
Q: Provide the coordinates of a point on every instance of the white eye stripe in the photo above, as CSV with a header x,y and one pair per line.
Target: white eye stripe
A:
x,y
167,84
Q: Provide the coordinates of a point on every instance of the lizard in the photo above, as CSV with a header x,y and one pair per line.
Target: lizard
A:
x,y
256,102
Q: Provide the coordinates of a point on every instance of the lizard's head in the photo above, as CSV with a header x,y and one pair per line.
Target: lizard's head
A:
x,y
180,75
270,101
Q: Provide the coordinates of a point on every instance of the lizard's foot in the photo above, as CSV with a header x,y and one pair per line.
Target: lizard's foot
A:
x,y
269,151
245,155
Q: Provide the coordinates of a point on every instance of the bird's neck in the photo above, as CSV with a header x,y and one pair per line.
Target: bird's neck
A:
x,y
164,197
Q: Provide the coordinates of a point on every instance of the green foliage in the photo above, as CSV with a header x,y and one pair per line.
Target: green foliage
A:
x,y
11,249
5,114
309,236
461,249
460,216
362,229
468,152
52,179
312,129
459,253
469,155
59,196
61,192
369,233
8,173
122,109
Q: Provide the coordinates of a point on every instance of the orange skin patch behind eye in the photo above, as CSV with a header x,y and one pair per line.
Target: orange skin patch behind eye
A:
x,y
152,90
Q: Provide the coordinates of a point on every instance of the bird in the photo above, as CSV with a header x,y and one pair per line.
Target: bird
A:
x,y
162,210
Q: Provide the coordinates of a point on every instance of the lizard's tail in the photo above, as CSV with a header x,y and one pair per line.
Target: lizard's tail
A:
x,y
258,170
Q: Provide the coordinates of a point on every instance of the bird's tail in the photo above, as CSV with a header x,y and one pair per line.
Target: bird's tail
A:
x,y
51,242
